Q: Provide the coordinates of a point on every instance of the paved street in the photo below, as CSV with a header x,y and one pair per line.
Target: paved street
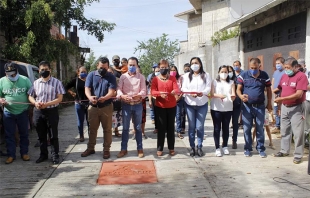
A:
x,y
178,176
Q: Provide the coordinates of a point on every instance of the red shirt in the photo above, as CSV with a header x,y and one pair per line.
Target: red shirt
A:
x,y
289,86
164,86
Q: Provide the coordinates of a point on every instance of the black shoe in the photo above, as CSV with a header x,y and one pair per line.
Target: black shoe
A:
x,y
41,159
55,159
192,153
200,152
37,144
234,145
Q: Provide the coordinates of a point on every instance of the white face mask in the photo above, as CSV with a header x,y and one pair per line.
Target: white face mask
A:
x,y
223,76
195,67
230,74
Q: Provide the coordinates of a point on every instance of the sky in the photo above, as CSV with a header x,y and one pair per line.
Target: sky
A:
x,y
136,20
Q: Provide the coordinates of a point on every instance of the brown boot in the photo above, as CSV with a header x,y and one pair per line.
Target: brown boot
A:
x,y
140,153
87,152
122,153
106,154
82,139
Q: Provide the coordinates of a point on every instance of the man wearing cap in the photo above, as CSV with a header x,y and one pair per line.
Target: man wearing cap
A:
x,y
131,89
148,79
116,66
293,86
45,94
14,88
303,68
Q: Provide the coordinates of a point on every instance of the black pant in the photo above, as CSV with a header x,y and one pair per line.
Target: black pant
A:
x,y
46,120
154,109
221,122
165,118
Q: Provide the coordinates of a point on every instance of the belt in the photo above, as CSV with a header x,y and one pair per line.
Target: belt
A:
x,y
291,105
96,106
255,104
132,102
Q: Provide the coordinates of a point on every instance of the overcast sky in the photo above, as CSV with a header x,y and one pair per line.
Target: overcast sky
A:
x,y
136,20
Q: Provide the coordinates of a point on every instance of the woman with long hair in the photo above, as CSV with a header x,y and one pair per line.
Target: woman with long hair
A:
x,y
223,94
164,87
81,101
196,85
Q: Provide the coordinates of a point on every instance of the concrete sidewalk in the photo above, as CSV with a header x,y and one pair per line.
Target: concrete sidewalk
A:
x,y
178,176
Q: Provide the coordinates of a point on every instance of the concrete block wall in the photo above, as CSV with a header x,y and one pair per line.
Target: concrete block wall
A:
x,y
194,31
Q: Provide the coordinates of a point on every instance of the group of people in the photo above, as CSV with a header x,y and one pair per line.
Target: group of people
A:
x,y
115,95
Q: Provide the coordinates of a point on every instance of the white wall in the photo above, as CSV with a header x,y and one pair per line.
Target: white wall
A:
x,y
307,53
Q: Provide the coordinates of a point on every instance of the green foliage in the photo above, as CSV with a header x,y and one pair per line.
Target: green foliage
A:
x,y
90,61
224,35
153,50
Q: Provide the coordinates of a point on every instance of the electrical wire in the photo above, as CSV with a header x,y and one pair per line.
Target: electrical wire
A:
x,y
131,6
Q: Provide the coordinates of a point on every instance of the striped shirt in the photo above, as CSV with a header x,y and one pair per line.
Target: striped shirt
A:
x,y
46,91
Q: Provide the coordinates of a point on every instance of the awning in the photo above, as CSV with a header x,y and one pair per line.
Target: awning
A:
x,y
184,15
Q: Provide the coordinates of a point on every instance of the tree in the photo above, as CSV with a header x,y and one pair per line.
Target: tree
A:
x,y
90,61
153,50
26,25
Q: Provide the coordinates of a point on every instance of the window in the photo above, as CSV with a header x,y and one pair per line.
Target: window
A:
x,y
259,41
276,37
250,44
294,32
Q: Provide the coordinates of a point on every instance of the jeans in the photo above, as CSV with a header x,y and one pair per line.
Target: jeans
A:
x,y
10,122
134,112
152,112
196,116
221,122
166,118
256,113
278,118
235,119
180,117
81,114
47,120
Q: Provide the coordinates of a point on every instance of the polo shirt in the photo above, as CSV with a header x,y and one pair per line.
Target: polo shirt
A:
x,y
277,75
254,87
100,85
290,84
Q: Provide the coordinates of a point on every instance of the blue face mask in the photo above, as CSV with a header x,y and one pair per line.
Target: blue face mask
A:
x,y
13,78
132,69
289,72
157,73
83,75
279,67
237,68
254,71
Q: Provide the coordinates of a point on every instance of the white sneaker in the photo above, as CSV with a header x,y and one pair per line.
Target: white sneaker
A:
x,y
225,151
218,152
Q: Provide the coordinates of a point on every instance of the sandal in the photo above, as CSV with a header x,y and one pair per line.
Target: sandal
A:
x,y
180,136
116,133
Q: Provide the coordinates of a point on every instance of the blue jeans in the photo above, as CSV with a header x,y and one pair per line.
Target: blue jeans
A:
x,y
81,114
278,118
235,118
152,112
134,111
178,116
10,122
256,113
196,116
221,122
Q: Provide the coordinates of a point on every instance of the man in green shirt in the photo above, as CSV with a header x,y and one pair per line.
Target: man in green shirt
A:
x,y
14,98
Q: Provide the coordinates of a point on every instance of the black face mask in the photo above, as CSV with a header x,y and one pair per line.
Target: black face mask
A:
x,y
163,71
45,73
102,71
116,63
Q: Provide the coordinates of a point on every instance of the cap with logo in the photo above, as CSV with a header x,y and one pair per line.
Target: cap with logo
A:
x,y
10,68
115,57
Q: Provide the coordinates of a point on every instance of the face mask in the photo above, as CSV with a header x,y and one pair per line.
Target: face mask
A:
x,y
13,78
173,73
157,73
185,71
132,69
289,72
102,71
223,76
163,71
83,75
279,67
116,63
45,73
254,71
230,74
236,68
195,67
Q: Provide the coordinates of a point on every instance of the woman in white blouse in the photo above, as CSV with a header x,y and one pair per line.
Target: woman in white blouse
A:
x,y
198,83
223,95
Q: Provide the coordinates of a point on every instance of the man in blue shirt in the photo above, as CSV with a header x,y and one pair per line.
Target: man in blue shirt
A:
x,y
277,75
251,87
100,86
148,79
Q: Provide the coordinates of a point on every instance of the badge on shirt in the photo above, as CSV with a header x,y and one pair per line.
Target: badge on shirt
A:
x,y
293,84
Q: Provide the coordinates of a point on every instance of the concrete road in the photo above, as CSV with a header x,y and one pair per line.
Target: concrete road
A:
x,y
179,176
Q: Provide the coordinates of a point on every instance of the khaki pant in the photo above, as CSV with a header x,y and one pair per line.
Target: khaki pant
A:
x,y
95,117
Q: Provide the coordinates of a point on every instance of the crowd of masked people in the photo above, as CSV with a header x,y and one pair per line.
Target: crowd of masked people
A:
x,y
115,96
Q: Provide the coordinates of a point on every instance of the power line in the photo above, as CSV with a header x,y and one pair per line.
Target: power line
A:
x,y
130,6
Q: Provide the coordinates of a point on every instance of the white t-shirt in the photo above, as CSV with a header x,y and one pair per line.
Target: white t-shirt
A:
x,y
308,92
196,85
225,88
